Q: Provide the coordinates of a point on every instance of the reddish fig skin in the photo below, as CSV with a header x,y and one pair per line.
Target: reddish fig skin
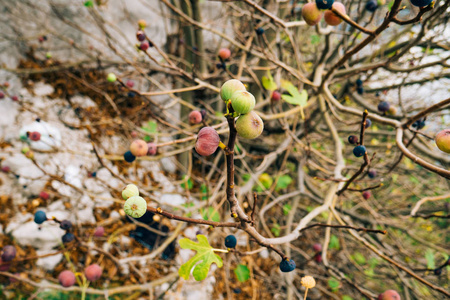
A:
x,y
249,126
331,18
35,136
99,231
139,148
442,140
130,84
389,295
152,149
224,53
311,14
276,96
15,98
66,278
366,194
207,141
44,195
195,117
317,247
134,134
144,46
93,272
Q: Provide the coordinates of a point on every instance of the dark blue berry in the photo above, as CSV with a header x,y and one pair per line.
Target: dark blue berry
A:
x,y
421,124
259,31
383,106
368,123
353,139
131,94
360,90
377,94
421,3
129,157
359,82
324,4
359,151
372,173
230,241
237,290
287,265
437,272
9,253
65,225
220,66
372,5
40,217
68,237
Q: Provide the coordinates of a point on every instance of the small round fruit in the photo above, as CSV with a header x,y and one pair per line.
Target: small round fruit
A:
x,y
6,169
317,247
229,87
442,140
207,141
142,24
65,225
383,106
331,18
135,207
318,257
360,90
249,126
392,110
311,13
130,84
140,35
204,114
144,46
195,117
224,53
66,278
93,272
4,266
368,123
130,190
152,149
230,241
9,253
353,139
68,237
266,180
359,151
359,82
372,5
34,136
372,173
139,148
276,96
366,194
99,231
287,265
242,102
129,157
40,217
259,31
437,271
324,4
15,98
111,77
421,3
389,295
44,195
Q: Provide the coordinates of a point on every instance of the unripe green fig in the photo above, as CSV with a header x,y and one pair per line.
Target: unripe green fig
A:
x,y
331,18
135,206
111,77
249,126
242,102
139,148
229,87
311,13
130,190
442,140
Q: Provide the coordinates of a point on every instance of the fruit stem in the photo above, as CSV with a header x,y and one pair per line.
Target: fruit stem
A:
x,y
306,293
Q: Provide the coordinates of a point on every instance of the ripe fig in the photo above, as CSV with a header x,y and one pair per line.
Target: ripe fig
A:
x,y
311,13
242,102
224,53
276,96
207,141
331,18
383,106
389,295
442,140
366,194
249,126
359,151
152,148
93,272
66,278
139,148
195,117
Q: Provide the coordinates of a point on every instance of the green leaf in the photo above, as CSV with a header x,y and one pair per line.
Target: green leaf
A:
x,y
151,127
334,242
242,273
359,258
429,256
315,39
296,97
333,284
210,214
268,82
283,182
89,3
286,209
276,230
190,183
204,190
202,260
345,297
